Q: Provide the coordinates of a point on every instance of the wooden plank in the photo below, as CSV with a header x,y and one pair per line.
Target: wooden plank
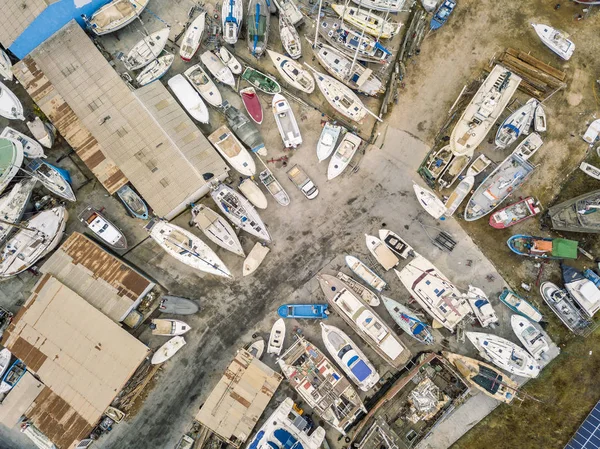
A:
x,y
558,74
533,72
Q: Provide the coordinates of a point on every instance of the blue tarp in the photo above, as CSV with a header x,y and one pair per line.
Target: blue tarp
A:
x,y
361,371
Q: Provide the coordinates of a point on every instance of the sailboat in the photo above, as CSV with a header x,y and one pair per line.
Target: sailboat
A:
x,y
286,122
289,38
13,205
232,13
10,106
31,148
348,40
274,187
217,229
10,163
408,321
103,228
204,85
55,179
343,155
192,37
258,27
292,72
381,5
340,97
116,15
155,70
217,69
516,124
233,151
555,40
530,337
365,20
146,50
189,98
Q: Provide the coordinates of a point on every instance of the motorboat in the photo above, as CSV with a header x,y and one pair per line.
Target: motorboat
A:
x,y
232,13
516,124
442,15
429,201
134,203
230,61
590,170
168,327
582,290
44,132
343,154
274,187
539,119
155,70
252,192
192,38
204,85
529,146
115,15
147,49
217,69
217,229
328,140
289,10
453,170
5,66
103,228
292,72
257,26
408,321
515,213
13,205
233,151
304,311
31,148
482,308
289,37
12,376
189,98
244,129
354,43
252,104
384,255
579,214
176,305
277,337
367,21
542,247
363,292
562,305
555,40
365,273
438,161
11,152
256,348
261,81
530,337
286,122
340,97
10,106
168,350
519,305
478,165
458,195
255,258
55,179
396,244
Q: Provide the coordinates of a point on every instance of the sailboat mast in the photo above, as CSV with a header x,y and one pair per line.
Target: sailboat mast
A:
x,y
318,20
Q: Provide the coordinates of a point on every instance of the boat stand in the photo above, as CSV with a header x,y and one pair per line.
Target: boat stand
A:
x,y
443,240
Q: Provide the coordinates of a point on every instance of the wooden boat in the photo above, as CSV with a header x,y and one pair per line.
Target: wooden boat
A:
x,y
286,122
408,321
217,69
518,305
482,308
55,179
581,289
304,311
31,148
504,354
115,414
11,160
253,193
363,292
186,248
555,40
155,70
12,376
340,97
515,213
438,162
260,81
254,259
217,229
442,15
277,337
252,104
103,228
529,146
579,214
10,106
562,305
230,61
349,41
204,85
13,205
343,155
257,27
364,20
233,151
396,244
478,165
274,187
134,204
516,124
256,348
232,13
453,170
289,38
382,5
542,247
189,98
146,50
168,350
328,140
5,66
5,357
244,129
44,132
539,119
292,72
349,357
531,338
116,15
429,201
458,195
192,37
168,327
176,305
590,170
365,273
289,10
385,256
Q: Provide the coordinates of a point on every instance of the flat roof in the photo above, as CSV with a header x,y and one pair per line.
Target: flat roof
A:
x,y
16,17
20,399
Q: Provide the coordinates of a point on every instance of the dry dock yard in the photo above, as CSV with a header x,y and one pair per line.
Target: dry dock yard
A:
x,y
82,295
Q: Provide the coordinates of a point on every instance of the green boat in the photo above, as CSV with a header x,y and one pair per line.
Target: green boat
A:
x,y
260,81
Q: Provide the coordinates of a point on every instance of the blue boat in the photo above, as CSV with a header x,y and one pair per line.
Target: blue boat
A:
x,y
12,376
542,247
442,14
592,276
134,204
55,179
519,305
306,311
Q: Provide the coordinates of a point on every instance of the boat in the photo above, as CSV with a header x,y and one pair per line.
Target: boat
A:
x,y
252,104
408,321
33,240
134,204
31,148
453,170
217,69
581,289
289,10
434,292
186,248
365,273
10,106
189,98
292,72
115,15
396,244
155,70
252,192
204,85
304,311
192,38
519,305
274,187
579,214
367,21
590,170
349,357
483,110
438,162
478,165
429,201
429,5
562,305
232,13
458,195
539,119
147,49
5,357
530,337
115,414
168,327
256,348
328,140
506,178
442,15
321,385
340,97
364,321
516,124
10,163
55,179
13,205
286,428
591,133
363,292
289,38
233,151
484,377
176,305
103,228
382,5
504,354
343,155
555,40
349,41
385,256
5,66
261,81
239,211
168,350
542,247
12,376
44,132
217,229
256,256
277,337
482,308
515,213
592,276
286,122
529,146
230,61
257,26
245,130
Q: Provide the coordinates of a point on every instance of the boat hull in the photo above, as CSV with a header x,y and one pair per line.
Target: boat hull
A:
x,y
168,350
252,104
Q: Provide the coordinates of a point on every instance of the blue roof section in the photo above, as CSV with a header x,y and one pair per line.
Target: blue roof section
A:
x,y
52,19
361,371
588,435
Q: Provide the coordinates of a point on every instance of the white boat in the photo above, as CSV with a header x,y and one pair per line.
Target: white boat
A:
x,y
31,148
232,13
393,241
289,38
104,229
529,146
504,354
286,122
168,327
186,248
289,10
343,155
11,160
429,201
256,348
365,273
429,5
252,192
10,106
5,357
340,97
591,133
582,290
217,229
478,165
277,337
434,292
292,72
328,140
53,178
32,241
539,119
168,350
530,337
44,132
453,170
364,20
192,37
349,357
363,292
116,15
482,308
483,110
189,98
274,187
204,85
385,256
13,205
519,305
516,124
230,61
408,321
155,70
458,195
254,259
354,43
146,50
233,151
590,170
217,69
5,66
382,5
562,305
555,40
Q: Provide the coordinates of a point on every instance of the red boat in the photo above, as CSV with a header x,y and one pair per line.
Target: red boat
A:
x,y
515,213
252,104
